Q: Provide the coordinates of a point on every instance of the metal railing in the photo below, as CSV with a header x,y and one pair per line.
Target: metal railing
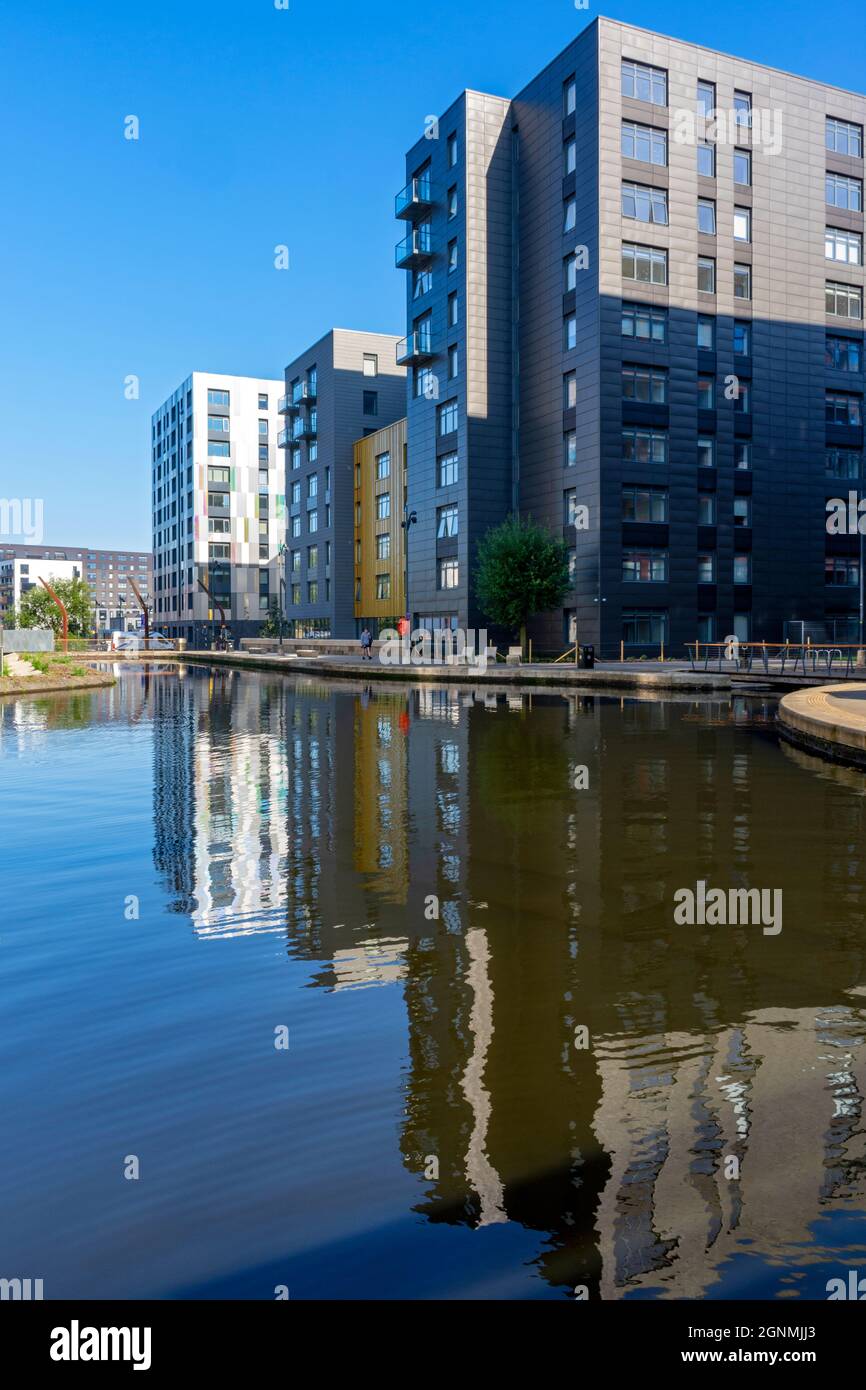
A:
x,y
779,658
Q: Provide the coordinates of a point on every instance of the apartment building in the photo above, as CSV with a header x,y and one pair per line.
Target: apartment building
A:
x,y
107,572
218,498
347,385
635,313
380,554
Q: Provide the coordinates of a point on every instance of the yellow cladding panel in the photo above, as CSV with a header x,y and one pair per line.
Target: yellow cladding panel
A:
x,y
368,527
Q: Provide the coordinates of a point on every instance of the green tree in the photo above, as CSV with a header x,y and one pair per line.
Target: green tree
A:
x,y
271,624
38,609
521,570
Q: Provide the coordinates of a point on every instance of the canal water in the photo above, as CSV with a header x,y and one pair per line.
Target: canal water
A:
x,y
378,992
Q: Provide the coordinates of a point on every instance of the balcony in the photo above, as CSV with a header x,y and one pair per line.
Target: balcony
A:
x,y
415,199
416,347
303,393
414,250
285,405
284,439
306,429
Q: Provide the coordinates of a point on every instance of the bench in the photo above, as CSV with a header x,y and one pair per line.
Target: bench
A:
x,y
515,656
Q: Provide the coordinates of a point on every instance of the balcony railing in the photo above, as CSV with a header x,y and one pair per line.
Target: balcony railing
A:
x,y
414,249
415,347
283,439
415,199
307,428
303,392
284,405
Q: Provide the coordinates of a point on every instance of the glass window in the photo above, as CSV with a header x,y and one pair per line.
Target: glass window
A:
x,y
843,192
743,398
452,256
569,391
844,301
312,521
706,98
843,246
844,137
706,509
742,569
646,264
383,586
448,574
452,203
706,159
569,215
569,273
742,338
644,384
218,423
569,96
742,166
844,354
569,155
706,393
843,463
446,521
742,224
383,465
742,454
644,446
570,448
643,142
570,332
743,109
218,397
647,566
371,364
383,506
706,332
706,567
742,511
452,310
644,83
448,417
383,546
843,409
644,323
706,275
218,449
448,470
742,282
644,204
371,403
707,216
644,504
452,151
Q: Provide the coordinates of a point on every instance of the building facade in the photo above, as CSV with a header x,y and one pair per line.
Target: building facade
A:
x,y
380,554
218,499
635,313
345,386
107,573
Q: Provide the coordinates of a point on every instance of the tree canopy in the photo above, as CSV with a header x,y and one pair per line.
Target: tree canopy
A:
x,y
38,609
521,570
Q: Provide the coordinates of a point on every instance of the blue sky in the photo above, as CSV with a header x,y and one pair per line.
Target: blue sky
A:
x,y
258,126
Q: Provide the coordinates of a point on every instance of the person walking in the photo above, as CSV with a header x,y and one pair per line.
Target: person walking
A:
x,y
366,645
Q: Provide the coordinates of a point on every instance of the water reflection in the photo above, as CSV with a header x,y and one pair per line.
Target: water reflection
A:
x,y
434,841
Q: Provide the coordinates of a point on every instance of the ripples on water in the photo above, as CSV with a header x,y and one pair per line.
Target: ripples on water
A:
x,y
408,881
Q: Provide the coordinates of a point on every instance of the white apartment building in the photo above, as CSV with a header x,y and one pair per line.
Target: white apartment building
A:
x,y
17,576
218,505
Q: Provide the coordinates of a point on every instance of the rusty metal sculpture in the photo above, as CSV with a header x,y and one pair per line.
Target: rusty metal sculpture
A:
x,y
63,612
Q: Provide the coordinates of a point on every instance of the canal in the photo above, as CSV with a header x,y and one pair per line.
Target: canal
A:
x,y
377,992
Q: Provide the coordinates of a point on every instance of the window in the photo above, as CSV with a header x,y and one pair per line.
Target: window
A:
x,y
371,403
743,398
422,281
263,453
296,526
742,282
648,566
706,275
706,393
706,98
706,452
383,546
841,570
218,423
452,202
263,429
383,465
569,506
742,569
842,463
743,109
645,504
383,586
644,83
218,398
312,521
742,454
452,255
312,557
452,150
742,224
219,525
296,494
644,446
707,216
843,409
843,246
569,155
742,338
569,215
569,96
570,332
706,567
644,204
296,562
643,142
706,627
844,354
313,591
446,521
742,511
646,264
569,391
706,159
569,448
843,192
296,594
706,332
844,301
219,449
313,485
706,509
218,475
644,384
425,383
448,470
448,574
296,457
843,137
383,506
371,364
641,627
220,500
742,166
644,323
448,417
569,273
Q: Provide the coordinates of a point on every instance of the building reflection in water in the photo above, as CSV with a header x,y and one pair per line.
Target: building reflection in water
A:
x,y
438,840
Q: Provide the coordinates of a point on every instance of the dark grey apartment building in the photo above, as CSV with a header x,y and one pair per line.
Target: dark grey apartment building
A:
x,y
345,386
107,572
635,313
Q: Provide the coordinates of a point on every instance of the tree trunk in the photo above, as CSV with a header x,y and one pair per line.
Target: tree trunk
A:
x,y
523,640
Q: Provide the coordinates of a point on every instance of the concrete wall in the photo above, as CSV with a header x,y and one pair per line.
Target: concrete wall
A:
x,y
28,639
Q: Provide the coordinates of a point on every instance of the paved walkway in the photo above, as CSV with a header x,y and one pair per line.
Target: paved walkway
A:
x,y
17,666
827,719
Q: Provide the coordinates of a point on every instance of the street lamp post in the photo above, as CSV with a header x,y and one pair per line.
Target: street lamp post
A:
x,y
281,577
409,519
